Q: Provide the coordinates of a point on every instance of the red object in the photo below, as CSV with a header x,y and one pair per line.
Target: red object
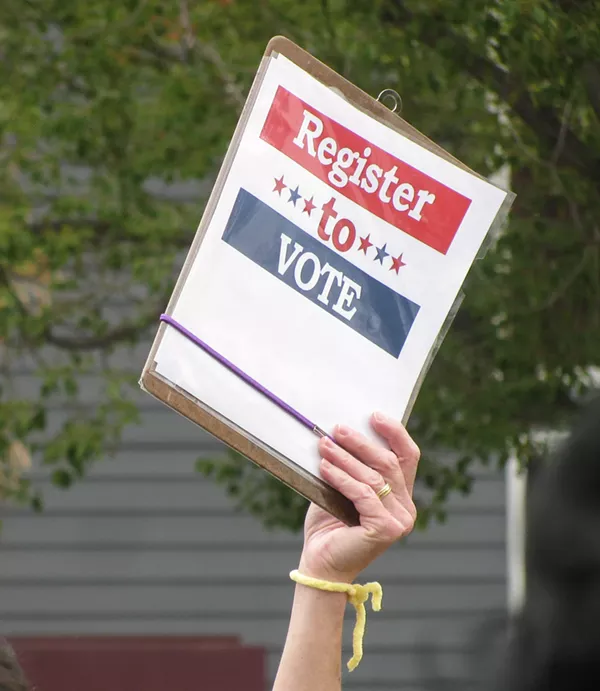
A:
x,y
145,663
406,198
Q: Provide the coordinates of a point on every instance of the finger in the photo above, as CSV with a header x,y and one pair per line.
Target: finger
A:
x,y
373,515
401,443
376,456
356,469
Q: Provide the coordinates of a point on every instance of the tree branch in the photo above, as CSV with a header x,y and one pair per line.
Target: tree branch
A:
x,y
541,119
101,230
125,332
560,291
591,80
7,283
210,54
96,225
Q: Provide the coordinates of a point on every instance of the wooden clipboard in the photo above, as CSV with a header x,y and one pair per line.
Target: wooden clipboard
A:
x,y
195,410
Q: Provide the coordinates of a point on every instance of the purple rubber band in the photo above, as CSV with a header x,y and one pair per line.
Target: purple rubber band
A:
x,y
242,375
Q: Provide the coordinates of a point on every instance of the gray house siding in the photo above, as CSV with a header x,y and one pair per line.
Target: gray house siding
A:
x,y
147,546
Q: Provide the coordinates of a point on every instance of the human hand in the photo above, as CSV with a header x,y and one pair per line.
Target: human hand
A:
x,y
358,468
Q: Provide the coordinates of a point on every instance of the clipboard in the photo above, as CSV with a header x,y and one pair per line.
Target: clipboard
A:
x,y
209,419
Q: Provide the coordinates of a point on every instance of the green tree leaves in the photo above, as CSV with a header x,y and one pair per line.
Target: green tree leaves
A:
x,y
114,118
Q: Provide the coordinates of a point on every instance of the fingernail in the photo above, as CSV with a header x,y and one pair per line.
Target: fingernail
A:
x,y
325,464
379,417
326,441
342,431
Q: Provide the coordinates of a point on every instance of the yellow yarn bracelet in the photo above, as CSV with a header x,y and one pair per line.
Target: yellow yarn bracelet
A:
x,y
357,596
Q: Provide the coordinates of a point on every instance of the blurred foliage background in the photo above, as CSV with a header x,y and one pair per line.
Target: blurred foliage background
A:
x,y
114,118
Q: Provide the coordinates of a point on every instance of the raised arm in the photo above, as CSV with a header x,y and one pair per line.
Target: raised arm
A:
x,y
359,469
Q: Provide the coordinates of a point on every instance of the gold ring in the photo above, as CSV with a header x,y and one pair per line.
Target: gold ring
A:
x,y
384,491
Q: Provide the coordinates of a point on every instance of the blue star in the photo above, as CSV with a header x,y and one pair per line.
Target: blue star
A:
x,y
381,253
294,196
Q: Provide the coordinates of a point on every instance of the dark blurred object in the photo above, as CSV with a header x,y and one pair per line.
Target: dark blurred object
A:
x,y
149,663
556,641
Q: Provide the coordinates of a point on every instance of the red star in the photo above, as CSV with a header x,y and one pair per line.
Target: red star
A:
x,y
279,186
309,206
365,243
397,263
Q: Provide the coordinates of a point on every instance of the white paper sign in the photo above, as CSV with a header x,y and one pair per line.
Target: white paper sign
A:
x,y
332,260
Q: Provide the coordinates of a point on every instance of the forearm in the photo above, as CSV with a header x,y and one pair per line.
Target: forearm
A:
x,y
313,648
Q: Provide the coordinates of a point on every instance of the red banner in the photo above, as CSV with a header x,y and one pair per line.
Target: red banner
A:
x,y
395,191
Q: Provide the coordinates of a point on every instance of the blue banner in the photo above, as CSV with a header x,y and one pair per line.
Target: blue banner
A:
x,y
324,277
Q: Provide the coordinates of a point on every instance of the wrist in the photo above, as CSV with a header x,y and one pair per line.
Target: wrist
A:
x,y
314,595
312,570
